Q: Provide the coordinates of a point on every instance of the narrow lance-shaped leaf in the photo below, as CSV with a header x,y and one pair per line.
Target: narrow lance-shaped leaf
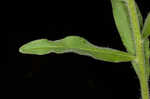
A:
x,y
75,44
42,47
122,20
140,17
146,28
145,34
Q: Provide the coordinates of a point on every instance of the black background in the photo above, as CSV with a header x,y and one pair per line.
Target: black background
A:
x,y
68,75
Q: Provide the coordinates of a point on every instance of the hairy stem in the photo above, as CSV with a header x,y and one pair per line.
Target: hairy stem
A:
x,y
144,88
139,49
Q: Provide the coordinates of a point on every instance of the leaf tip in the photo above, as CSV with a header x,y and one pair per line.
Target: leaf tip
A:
x,y
28,47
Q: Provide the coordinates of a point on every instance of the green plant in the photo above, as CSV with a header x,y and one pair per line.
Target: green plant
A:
x,y
134,35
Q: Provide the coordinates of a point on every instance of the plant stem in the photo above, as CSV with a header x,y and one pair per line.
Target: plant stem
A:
x,y
140,59
144,88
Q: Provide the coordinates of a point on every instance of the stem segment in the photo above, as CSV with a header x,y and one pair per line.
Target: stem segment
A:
x,y
144,88
140,59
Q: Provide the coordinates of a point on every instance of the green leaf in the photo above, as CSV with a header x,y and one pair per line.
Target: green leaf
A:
x,y
146,28
42,46
145,34
122,20
139,16
75,44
